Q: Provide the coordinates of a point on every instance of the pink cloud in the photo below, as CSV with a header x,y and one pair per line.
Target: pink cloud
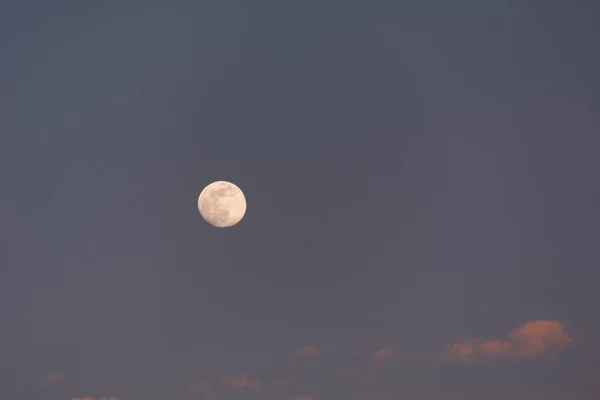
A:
x,y
537,337
530,340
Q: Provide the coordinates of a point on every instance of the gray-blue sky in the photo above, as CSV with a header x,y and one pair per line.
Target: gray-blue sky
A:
x,y
415,175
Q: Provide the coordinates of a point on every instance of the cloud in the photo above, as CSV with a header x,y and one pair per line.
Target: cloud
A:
x,y
530,340
305,398
383,354
537,337
51,379
307,352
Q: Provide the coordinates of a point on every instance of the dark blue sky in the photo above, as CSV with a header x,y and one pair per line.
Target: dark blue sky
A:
x,y
422,186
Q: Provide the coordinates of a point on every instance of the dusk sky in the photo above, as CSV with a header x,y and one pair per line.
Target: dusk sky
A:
x,y
422,184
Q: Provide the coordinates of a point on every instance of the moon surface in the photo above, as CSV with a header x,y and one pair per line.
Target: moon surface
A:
x,y
222,204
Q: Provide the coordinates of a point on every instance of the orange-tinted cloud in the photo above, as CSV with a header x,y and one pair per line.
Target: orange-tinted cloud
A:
x,y
384,354
51,379
305,398
537,337
530,340
307,352
466,351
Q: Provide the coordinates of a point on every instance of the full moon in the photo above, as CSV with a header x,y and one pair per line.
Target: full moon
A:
x,y
222,204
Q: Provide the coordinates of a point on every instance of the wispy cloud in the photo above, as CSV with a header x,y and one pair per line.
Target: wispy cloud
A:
x,y
530,340
307,352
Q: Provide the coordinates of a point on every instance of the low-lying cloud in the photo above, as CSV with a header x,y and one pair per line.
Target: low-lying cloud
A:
x,y
530,340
